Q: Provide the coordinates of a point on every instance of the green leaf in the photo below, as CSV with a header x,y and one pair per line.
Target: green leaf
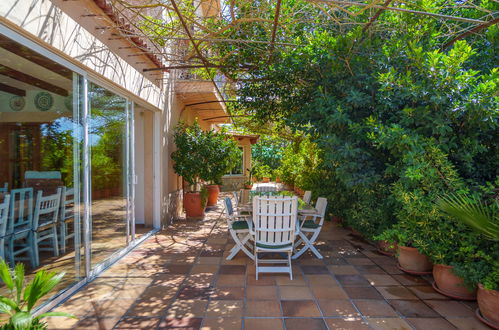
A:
x,y
19,280
12,304
5,275
62,314
21,320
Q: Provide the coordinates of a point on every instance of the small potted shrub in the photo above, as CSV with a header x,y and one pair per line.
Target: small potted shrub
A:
x,y
264,172
483,218
388,241
23,297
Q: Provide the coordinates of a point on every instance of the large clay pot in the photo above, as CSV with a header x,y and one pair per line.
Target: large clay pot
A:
x,y
277,179
248,186
488,302
450,284
265,180
387,248
213,192
192,205
411,261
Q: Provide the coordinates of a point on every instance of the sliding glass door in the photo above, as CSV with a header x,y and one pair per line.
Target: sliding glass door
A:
x,y
109,136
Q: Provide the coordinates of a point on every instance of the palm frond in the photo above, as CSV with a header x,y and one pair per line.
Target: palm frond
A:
x,y
473,212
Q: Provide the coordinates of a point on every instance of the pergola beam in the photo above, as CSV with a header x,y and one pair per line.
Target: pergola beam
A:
x,y
471,31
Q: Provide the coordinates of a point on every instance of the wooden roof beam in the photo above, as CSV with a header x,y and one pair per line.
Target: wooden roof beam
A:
x,y
30,80
12,90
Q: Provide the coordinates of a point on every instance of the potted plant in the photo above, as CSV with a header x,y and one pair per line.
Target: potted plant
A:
x,y
264,172
387,242
191,162
249,183
483,218
22,298
221,155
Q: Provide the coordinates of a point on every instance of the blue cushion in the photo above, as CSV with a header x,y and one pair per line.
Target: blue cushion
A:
x,y
265,246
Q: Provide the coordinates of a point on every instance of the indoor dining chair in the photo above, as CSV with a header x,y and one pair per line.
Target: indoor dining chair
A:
x,y
45,223
238,229
274,232
66,217
5,188
4,216
311,228
19,237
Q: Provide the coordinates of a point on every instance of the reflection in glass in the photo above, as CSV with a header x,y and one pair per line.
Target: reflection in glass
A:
x,y
40,139
108,140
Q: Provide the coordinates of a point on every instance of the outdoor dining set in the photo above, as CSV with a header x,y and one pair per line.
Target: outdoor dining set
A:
x,y
273,227
34,219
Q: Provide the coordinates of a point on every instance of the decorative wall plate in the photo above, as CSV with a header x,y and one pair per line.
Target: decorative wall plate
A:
x,y
17,103
44,101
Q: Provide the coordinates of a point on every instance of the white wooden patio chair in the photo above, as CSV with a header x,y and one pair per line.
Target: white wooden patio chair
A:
x,y
274,221
307,196
238,229
266,188
310,229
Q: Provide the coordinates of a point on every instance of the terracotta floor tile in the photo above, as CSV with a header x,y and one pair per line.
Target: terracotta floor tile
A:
x,y
407,279
208,269
334,260
225,308
321,280
467,323
103,323
430,323
261,292
388,324
300,308
137,323
149,307
343,270
263,308
314,269
178,269
375,308
359,261
228,293
171,280
396,292
426,292
230,280
222,324
263,280
333,292
450,308
391,269
187,308
338,307
358,292
181,323
351,323
413,308
370,269
352,280
187,293
110,307
308,323
209,260
381,280
232,270
263,324
295,293
65,323
283,280
158,292
384,260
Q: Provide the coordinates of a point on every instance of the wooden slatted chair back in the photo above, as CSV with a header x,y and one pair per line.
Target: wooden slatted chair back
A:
x,y
67,203
321,206
274,219
307,196
46,209
266,188
4,215
21,209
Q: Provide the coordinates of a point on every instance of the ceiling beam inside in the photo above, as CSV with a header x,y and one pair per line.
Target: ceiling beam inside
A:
x,y
30,80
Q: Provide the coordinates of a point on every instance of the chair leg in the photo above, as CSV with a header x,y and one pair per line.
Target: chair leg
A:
x,y
55,243
240,245
63,237
308,244
256,265
290,266
34,250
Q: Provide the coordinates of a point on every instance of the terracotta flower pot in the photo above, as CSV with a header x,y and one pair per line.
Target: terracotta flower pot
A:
x,y
411,261
248,186
387,248
488,303
192,205
277,179
213,192
265,180
450,284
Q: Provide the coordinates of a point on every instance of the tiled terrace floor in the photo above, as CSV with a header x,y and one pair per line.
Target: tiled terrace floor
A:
x,y
179,279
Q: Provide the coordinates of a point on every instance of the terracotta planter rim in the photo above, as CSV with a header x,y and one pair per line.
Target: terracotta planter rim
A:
x,y
471,297
494,292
